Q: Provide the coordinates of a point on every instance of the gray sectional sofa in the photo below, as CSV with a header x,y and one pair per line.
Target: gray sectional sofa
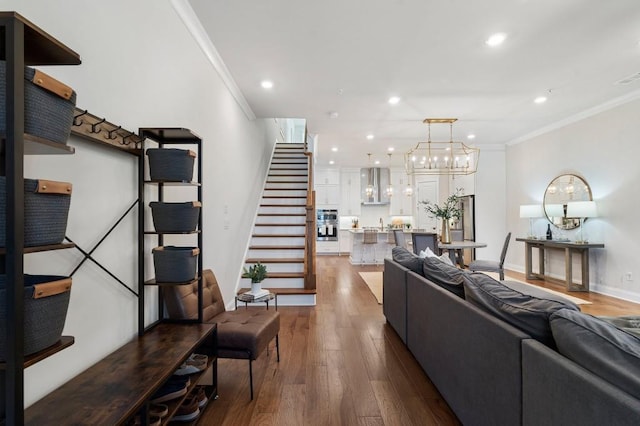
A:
x,y
491,372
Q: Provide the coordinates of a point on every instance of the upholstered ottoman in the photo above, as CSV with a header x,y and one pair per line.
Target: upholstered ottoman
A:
x,y
242,334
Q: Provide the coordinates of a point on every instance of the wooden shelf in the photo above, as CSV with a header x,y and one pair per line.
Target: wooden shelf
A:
x,y
154,282
173,182
37,249
34,145
63,343
40,48
170,135
171,233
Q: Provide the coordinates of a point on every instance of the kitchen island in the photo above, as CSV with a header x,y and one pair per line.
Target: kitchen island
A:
x,y
370,254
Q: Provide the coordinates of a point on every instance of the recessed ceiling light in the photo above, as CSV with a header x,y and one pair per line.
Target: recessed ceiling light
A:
x,y
332,162
370,136
394,100
333,114
471,136
377,162
540,99
496,39
266,84
390,149
334,149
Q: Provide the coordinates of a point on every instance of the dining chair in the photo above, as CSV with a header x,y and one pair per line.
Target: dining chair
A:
x,y
492,265
422,240
401,240
458,235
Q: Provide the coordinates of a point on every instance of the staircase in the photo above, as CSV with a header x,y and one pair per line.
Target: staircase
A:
x,y
278,238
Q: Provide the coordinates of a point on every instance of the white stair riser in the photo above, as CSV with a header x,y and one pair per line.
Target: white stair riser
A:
x,y
288,165
281,193
284,185
270,230
298,220
283,282
286,178
297,300
270,241
275,254
282,210
297,201
300,172
283,267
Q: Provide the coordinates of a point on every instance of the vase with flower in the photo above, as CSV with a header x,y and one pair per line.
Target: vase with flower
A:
x,y
447,211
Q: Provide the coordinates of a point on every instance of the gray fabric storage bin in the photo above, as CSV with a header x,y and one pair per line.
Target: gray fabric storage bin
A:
x,y
48,105
175,264
46,299
46,210
171,164
175,217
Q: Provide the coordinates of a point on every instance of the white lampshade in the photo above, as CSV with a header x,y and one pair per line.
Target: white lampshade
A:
x,y
554,210
531,210
578,209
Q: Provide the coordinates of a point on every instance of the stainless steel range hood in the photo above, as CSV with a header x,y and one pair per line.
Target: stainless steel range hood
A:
x,y
378,178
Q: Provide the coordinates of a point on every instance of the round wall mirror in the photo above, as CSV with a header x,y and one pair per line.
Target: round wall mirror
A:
x,y
559,192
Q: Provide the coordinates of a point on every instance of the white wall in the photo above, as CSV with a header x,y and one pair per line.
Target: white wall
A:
x,y
490,202
140,68
604,150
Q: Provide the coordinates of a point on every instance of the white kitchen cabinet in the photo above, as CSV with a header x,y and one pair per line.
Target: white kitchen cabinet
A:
x,y
327,196
345,240
401,204
350,204
327,176
327,247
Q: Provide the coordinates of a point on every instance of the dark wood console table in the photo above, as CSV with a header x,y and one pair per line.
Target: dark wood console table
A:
x,y
569,248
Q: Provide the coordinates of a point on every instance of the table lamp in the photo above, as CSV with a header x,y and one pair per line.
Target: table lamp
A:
x,y
531,211
581,210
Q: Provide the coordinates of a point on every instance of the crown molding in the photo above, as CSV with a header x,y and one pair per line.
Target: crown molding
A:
x,y
193,24
621,100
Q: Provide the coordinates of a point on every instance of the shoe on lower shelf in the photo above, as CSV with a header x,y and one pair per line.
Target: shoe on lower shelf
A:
x,y
168,391
158,410
188,410
200,394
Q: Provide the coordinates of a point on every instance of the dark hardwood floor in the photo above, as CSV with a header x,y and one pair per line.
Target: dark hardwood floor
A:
x,y
340,364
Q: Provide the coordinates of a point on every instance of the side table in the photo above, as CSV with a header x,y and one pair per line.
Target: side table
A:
x,y
247,298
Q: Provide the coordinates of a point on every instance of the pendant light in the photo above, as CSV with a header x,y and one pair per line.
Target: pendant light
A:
x,y
369,189
389,189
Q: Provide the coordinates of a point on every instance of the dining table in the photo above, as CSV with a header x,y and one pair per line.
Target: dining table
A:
x,y
456,247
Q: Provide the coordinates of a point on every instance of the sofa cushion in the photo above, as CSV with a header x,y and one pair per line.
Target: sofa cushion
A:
x,y
599,347
630,324
528,313
407,259
445,275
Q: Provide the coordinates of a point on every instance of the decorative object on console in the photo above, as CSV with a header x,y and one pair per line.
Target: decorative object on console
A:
x,y
450,210
531,211
257,273
441,158
581,210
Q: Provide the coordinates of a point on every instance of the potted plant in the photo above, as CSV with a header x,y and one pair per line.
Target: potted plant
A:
x,y
257,273
449,210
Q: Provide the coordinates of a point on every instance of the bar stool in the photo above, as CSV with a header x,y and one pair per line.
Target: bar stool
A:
x,y
369,238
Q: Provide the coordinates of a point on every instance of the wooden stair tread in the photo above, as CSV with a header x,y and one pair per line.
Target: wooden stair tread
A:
x,y
278,235
283,291
287,181
282,214
287,175
276,247
280,224
285,274
285,189
283,205
301,197
275,260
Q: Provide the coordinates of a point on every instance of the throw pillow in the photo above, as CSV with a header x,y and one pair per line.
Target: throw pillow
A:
x,y
528,313
444,275
599,347
427,252
407,259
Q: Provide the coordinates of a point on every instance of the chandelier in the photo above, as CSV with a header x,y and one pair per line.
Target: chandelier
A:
x,y
441,158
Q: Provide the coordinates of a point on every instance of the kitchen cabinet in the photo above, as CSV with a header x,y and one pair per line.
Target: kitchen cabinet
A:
x,y
401,204
345,241
327,176
350,202
327,247
327,196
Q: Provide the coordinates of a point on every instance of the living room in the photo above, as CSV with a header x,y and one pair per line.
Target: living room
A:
x,y
141,67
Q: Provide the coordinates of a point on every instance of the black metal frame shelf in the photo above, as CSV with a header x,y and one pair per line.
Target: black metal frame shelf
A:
x,y
21,43
164,136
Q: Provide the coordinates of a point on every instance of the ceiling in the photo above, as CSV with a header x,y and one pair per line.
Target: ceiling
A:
x,y
349,56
